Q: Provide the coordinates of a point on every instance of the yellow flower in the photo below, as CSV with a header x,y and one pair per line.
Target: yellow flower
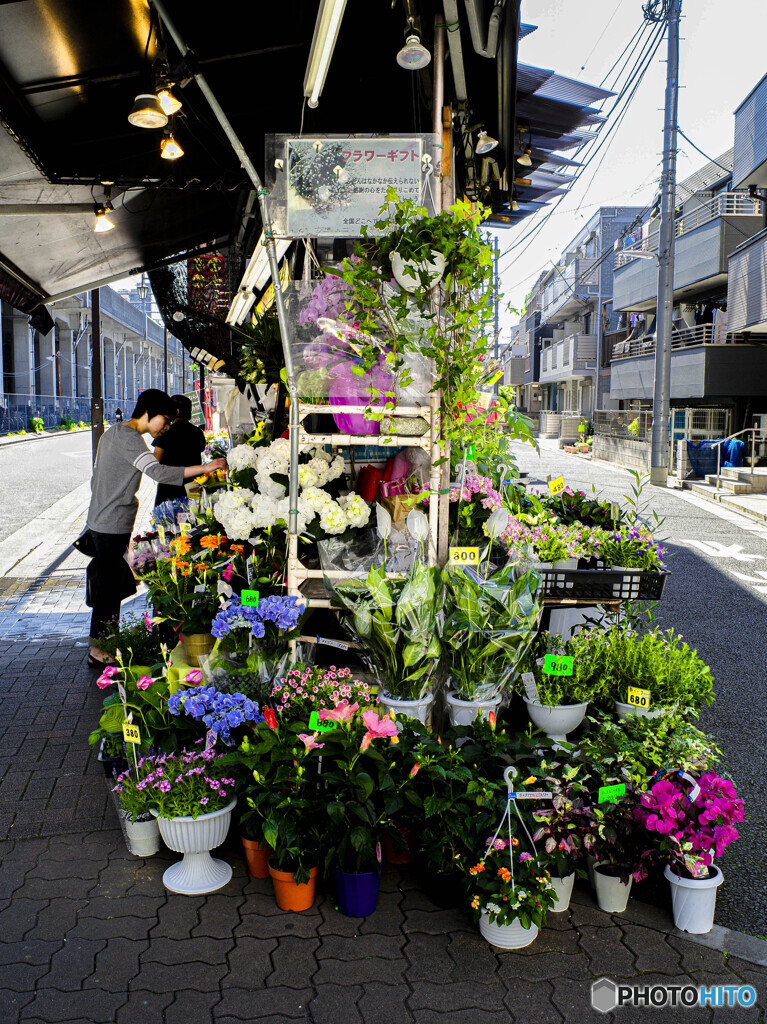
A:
x,y
528,781
200,480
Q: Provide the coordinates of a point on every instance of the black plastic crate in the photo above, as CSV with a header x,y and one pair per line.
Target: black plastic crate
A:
x,y
601,585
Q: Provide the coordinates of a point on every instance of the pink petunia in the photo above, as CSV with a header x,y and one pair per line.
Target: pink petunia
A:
x,y
107,677
144,682
193,676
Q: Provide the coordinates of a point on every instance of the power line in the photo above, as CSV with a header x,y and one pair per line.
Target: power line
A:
x,y
601,36
727,170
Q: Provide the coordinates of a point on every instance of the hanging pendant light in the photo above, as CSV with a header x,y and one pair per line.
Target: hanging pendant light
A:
x,y
169,148
485,143
413,56
170,103
103,223
147,112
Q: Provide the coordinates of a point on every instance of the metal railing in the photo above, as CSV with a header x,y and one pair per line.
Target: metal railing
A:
x,y
688,337
632,424
753,431
728,204
18,410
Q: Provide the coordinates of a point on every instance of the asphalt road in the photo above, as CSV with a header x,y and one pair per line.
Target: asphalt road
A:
x,y
35,474
716,597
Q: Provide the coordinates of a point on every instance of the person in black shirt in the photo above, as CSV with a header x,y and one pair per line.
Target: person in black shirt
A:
x,y
181,445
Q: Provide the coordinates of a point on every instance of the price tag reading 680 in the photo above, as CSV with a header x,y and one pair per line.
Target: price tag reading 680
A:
x,y
638,697
463,556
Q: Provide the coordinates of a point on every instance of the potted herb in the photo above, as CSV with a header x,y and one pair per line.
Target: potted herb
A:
x,y
192,799
395,621
693,823
488,629
510,907
557,703
631,548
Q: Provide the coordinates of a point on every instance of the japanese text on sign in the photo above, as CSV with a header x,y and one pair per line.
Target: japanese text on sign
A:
x,y
609,793
638,697
557,485
131,733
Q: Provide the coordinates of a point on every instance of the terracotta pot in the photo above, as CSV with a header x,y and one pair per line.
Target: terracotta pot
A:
x,y
290,896
404,856
197,644
257,857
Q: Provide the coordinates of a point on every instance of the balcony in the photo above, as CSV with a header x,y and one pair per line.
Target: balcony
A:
x,y
514,371
704,240
705,363
747,286
572,357
565,294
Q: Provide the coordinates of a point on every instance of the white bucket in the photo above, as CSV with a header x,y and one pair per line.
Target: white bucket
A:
x,y
612,893
694,900
418,709
464,712
563,890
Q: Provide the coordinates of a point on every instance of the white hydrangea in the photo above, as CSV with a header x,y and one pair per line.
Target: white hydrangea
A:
x,y
242,457
356,509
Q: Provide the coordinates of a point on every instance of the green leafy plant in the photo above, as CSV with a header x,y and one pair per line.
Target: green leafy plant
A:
x,y
186,784
525,896
565,824
36,424
135,634
586,684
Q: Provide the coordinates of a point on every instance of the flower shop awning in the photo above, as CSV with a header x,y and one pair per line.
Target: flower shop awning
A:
x,y
69,74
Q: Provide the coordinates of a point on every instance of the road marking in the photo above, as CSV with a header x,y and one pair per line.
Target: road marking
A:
x,y
76,455
717,550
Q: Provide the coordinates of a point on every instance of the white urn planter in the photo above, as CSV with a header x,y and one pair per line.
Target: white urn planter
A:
x,y
625,711
407,273
507,936
142,837
694,900
198,872
418,709
464,712
612,893
563,890
558,721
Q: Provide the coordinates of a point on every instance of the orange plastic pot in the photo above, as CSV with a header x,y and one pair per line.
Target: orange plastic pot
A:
x,y
257,857
289,895
404,856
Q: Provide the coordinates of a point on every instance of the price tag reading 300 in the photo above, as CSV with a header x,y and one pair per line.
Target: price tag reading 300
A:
x,y
638,697
463,556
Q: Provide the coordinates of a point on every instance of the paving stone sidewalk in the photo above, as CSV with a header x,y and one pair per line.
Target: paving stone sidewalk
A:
x,y
89,935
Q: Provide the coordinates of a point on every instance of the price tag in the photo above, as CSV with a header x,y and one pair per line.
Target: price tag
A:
x,y
531,794
249,570
315,725
249,598
496,377
200,588
638,697
615,511
122,693
185,529
333,643
558,665
471,451
557,485
161,533
610,793
531,689
210,739
463,556
131,732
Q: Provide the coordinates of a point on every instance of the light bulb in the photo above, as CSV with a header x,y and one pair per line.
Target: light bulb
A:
x,y
485,143
514,205
524,160
103,223
169,103
413,56
147,112
170,149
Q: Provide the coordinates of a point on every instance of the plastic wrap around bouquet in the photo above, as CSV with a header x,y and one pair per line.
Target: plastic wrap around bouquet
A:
x,y
488,629
350,388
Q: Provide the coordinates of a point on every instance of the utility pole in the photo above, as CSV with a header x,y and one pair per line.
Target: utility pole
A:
x,y
496,286
165,360
671,10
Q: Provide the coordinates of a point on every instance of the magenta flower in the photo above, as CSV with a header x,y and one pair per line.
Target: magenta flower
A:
x,y
376,728
310,742
341,713
525,856
107,677
227,573
144,682
193,676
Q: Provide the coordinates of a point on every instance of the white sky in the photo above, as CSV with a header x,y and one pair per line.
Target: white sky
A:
x,y
723,55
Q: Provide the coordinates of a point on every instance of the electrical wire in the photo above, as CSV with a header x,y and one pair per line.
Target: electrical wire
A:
x,y
727,170
601,36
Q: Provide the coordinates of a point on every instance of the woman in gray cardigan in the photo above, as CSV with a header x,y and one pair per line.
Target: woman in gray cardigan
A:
x,y
121,458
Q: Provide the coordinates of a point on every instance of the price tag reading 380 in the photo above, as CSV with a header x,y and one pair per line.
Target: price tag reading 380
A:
x,y
131,733
463,556
638,697
557,485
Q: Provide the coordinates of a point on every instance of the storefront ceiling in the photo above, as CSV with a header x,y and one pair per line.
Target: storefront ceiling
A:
x,y
69,72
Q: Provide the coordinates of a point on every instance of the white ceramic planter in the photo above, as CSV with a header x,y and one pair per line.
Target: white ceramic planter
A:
x,y
612,893
407,272
590,862
507,936
198,872
563,890
141,837
556,722
694,900
628,590
464,712
625,711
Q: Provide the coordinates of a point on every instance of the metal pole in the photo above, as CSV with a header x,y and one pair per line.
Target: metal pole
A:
x,y
437,101
97,399
165,360
271,250
496,285
665,303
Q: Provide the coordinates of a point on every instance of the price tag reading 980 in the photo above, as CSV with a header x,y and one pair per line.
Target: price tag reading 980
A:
x,y
463,556
638,697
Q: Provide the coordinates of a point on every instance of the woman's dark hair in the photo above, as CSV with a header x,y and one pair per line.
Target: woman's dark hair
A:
x,y
184,406
154,402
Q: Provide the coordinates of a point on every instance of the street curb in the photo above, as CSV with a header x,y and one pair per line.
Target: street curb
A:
x,y
29,436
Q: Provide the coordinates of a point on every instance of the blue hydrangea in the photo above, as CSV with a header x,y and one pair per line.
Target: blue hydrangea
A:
x,y
284,612
220,712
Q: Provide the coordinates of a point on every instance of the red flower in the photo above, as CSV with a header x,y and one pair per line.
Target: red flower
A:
x,y
270,718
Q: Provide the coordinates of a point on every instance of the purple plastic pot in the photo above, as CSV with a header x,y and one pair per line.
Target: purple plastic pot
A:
x,y
357,893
